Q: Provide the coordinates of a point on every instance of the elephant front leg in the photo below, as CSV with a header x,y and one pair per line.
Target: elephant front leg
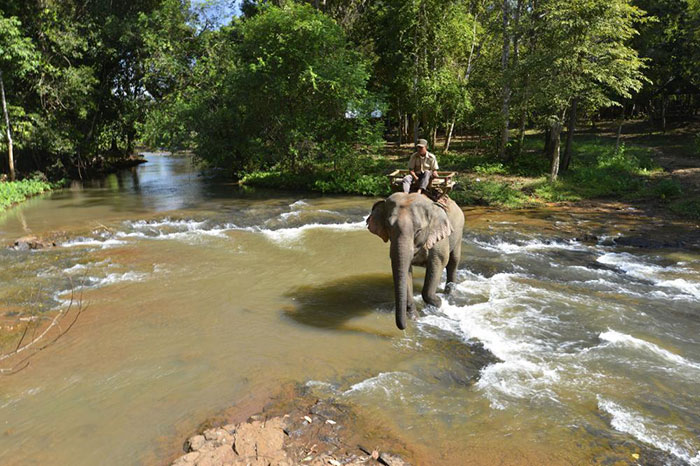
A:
x,y
410,303
432,279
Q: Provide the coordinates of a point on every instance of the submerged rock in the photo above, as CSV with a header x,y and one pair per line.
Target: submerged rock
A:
x,y
27,243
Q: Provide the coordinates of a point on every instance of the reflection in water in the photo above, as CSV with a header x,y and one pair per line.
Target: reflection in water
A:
x,y
550,351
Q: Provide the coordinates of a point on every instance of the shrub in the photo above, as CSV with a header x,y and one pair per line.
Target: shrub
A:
x,y
486,192
668,188
16,191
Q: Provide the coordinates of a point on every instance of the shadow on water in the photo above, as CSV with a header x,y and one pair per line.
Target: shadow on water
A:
x,y
331,305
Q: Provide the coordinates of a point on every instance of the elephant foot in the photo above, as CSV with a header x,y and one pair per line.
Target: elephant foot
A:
x,y
433,300
412,312
449,288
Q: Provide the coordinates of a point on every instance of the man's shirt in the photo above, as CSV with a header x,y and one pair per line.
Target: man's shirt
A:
x,y
420,164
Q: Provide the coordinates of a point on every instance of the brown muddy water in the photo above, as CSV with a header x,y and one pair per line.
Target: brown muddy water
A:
x,y
201,296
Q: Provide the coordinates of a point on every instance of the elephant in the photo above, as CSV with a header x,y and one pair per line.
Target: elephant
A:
x,y
422,233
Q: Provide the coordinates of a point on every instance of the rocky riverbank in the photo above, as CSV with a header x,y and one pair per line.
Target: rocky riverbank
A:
x,y
314,433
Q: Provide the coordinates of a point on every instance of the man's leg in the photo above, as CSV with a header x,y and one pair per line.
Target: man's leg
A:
x,y
407,180
424,180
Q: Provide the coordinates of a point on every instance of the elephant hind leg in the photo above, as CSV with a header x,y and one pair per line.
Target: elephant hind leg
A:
x,y
432,279
452,264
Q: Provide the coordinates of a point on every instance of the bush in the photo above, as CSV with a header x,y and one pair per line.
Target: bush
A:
x,y
321,180
491,169
486,192
668,188
689,208
16,191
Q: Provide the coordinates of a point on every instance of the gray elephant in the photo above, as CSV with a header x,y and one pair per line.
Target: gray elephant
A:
x,y
423,233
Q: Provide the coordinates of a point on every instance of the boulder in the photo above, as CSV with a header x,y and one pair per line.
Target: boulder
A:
x,y
217,457
195,443
27,243
259,440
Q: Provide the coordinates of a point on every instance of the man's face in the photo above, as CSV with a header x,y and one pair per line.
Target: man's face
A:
x,y
422,150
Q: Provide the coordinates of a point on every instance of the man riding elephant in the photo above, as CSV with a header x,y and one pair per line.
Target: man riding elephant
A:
x,y
422,166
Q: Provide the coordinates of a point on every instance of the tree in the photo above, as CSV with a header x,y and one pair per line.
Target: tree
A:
x,y
17,58
582,58
670,42
281,87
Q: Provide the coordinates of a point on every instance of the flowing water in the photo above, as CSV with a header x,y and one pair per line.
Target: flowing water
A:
x,y
200,295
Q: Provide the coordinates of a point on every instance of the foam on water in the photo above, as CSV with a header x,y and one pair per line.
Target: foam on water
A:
x,y
168,229
643,270
390,385
193,231
92,242
644,430
503,324
289,235
67,297
622,339
529,246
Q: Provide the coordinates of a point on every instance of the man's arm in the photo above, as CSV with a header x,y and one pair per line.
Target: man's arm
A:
x,y
411,166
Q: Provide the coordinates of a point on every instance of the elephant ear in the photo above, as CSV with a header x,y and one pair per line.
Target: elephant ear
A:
x,y
439,227
376,222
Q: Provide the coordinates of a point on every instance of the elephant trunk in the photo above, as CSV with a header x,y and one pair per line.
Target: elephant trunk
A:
x,y
401,255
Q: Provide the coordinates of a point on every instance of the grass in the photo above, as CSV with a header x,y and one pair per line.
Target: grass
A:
x,y
12,192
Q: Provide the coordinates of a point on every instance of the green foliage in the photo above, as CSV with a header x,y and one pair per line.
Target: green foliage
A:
x,y
81,73
489,192
284,88
491,169
362,175
320,180
689,207
601,171
17,191
667,189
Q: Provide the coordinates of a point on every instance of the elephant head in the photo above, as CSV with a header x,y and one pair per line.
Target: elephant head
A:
x,y
414,225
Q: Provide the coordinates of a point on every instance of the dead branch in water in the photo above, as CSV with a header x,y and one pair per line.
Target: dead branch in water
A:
x,y
34,346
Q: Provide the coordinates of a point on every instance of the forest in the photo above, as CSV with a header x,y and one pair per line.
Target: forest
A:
x,y
322,95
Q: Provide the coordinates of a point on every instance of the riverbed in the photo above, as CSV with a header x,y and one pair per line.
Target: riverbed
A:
x,y
556,347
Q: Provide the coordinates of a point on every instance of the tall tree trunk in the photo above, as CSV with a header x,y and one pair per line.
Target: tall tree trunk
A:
x,y
505,102
433,137
569,137
554,143
448,140
619,129
521,131
523,117
10,155
664,104
416,124
405,128
399,128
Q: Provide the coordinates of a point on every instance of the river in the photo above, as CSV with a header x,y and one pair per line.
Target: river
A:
x,y
199,295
